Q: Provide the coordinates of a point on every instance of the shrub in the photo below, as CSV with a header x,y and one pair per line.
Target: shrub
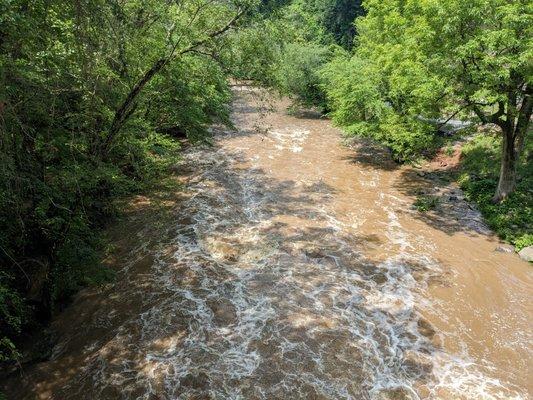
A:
x,y
512,219
353,93
297,74
426,203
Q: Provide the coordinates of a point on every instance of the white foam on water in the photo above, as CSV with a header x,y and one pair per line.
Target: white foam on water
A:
x,y
291,138
245,309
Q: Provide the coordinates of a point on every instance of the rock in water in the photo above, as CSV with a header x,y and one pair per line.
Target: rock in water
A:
x,y
504,249
526,253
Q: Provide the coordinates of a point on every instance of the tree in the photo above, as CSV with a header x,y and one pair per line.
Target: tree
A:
x,y
188,31
489,67
87,89
339,19
450,57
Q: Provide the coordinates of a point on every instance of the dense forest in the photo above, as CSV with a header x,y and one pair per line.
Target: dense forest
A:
x,y
95,94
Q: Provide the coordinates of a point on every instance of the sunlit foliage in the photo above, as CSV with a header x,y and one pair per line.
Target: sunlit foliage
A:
x,y
91,93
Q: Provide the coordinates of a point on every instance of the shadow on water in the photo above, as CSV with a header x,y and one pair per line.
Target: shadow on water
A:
x,y
228,296
307,114
369,153
452,212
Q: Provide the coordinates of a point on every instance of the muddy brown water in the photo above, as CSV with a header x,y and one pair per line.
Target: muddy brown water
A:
x,y
294,267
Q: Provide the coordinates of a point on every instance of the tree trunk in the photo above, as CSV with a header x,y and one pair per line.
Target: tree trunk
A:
x,y
514,136
507,182
128,105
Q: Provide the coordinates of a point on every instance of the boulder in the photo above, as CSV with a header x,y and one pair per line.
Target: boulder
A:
x,y
526,253
504,248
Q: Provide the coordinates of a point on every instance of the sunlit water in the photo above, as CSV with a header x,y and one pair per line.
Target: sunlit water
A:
x,y
290,272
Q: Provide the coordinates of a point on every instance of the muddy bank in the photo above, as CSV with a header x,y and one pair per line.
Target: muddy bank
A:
x,y
293,266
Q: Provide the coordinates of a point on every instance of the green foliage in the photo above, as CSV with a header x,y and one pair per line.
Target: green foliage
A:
x,y
13,313
525,240
352,90
298,72
426,203
427,59
449,150
201,99
298,41
90,95
339,19
302,21
511,219
253,52
323,21
481,48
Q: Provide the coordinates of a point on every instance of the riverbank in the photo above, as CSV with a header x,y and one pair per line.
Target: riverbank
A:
x,y
471,161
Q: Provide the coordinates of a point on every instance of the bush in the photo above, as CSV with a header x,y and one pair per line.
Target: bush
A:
x,y
512,219
254,52
353,94
298,76
187,97
426,203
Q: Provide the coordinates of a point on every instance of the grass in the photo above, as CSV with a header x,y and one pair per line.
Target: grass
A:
x,y
449,150
512,219
425,203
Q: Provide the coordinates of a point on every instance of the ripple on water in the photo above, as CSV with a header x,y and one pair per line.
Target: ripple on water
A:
x,y
247,304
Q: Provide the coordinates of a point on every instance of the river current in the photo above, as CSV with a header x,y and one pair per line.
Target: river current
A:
x,y
296,268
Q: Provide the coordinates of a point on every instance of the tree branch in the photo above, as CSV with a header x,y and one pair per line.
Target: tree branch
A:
x,y
481,115
221,31
451,116
492,118
126,108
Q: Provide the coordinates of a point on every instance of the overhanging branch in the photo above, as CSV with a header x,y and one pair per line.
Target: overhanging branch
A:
x,y
127,107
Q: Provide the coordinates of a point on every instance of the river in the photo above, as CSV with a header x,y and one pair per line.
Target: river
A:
x,y
295,267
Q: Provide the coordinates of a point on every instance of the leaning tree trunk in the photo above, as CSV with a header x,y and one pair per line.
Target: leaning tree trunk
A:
x,y
507,181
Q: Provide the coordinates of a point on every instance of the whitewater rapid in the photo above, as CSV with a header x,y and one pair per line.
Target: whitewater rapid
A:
x,y
289,271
